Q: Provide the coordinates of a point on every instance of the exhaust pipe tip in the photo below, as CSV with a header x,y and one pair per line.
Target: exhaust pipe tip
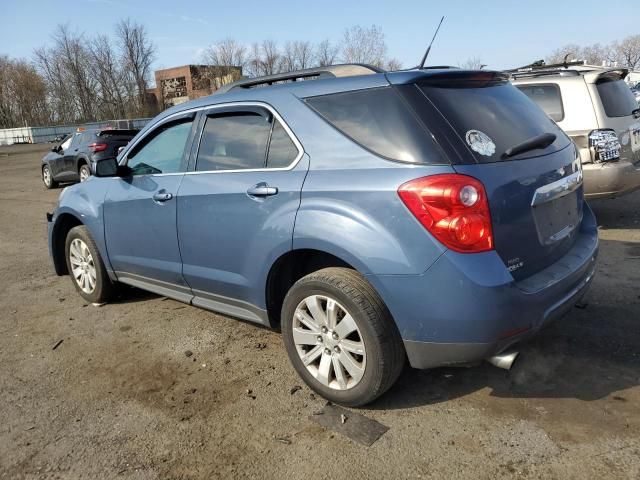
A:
x,y
503,360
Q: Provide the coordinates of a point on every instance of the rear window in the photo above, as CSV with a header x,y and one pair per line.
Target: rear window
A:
x,y
547,97
616,97
379,121
493,116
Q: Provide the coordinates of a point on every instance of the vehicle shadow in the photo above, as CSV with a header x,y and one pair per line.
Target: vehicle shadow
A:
x,y
589,354
129,294
618,213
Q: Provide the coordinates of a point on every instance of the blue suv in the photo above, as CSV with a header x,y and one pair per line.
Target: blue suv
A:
x,y
432,215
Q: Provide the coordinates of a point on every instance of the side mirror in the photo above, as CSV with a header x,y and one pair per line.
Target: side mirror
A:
x,y
120,149
55,149
107,167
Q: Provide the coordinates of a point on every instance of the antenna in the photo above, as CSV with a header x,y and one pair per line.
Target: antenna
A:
x,y
426,54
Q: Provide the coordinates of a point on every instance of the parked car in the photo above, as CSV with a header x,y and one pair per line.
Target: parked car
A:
x,y
74,159
435,215
594,106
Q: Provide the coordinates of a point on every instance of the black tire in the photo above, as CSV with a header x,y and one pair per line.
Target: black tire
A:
x,y
104,289
385,353
47,179
85,171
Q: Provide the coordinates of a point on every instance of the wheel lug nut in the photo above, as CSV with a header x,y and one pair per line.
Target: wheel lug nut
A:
x,y
319,338
324,330
335,336
336,349
327,351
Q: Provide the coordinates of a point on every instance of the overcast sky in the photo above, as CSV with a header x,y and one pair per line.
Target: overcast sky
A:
x,y
502,33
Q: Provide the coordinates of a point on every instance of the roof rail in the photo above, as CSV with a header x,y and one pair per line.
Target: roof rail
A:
x,y
540,66
332,71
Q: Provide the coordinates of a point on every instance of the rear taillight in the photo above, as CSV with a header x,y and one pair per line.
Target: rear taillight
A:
x,y
453,208
604,146
97,147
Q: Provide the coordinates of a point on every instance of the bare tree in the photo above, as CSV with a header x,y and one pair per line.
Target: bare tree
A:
x,y
472,63
110,76
393,64
22,94
65,67
326,53
270,57
224,58
595,54
627,52
138,53
364,45
288,60
304,54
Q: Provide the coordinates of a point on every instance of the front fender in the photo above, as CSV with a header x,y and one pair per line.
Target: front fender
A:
x,y
84,202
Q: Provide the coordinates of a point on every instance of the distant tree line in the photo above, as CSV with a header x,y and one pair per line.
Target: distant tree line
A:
x,y
79,78
623,53
357,45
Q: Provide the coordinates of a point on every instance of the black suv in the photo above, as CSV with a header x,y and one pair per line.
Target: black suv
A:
x,y
74,159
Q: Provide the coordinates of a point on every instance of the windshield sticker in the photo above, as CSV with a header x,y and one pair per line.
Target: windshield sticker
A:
x,y
481,142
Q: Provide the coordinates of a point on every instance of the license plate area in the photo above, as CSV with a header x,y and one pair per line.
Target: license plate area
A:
x,y
558,218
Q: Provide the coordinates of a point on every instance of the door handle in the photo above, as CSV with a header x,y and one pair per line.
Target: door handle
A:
x,y
162,197
262,190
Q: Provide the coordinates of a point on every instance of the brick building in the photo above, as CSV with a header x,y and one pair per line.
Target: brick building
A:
x,y
179,84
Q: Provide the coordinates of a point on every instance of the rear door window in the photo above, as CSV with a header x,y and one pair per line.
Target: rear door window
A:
x,y
244,140
379,121
547,97
616,97
492,116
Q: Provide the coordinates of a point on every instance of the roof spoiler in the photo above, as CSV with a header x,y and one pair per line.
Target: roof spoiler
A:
x,y
461,78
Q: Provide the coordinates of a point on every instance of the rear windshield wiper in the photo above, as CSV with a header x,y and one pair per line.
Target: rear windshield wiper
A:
x,y
540,141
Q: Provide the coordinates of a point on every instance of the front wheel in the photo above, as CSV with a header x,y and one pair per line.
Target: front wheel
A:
x,y
86,267
84,172
340,337
47,177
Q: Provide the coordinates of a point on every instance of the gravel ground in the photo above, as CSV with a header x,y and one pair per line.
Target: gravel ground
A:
x,y
119,398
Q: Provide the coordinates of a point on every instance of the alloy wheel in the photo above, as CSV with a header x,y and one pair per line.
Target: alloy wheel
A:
x,y
329,342
84,173
82,266
46,176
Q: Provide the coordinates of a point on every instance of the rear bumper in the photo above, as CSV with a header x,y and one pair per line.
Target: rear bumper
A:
x,y
610,179
466,308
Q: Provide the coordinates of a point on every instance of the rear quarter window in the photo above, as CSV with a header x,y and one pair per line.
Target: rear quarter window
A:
x,y
616,97
381,122
547,97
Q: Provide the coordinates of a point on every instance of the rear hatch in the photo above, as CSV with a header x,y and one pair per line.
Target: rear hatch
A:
x,y
535,194
115,139
618,110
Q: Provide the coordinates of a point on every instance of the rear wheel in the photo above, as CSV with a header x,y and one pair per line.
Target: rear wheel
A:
x,y
47,177
84,172
340,337
86,267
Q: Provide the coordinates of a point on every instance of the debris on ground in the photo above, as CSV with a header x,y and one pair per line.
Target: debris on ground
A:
x,y
261,346
294,389
284,440
188,353
359,428
58,343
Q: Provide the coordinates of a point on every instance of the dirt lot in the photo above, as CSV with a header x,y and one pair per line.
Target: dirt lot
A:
x,y
118,398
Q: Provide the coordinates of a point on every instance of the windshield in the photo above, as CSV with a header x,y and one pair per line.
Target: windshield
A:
x,y
493,118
